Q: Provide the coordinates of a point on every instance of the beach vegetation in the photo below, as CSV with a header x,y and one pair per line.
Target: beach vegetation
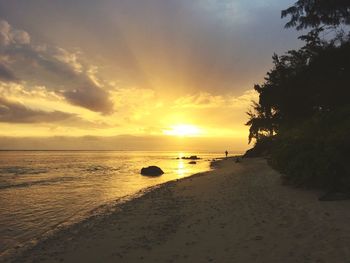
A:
x,y
302,118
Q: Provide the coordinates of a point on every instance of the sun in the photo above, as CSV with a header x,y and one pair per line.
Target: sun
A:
x,y
183,130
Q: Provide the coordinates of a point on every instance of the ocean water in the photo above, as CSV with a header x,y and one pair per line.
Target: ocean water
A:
x,y
41,191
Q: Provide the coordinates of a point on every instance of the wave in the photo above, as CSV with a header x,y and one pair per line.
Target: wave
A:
x,y
100,168
38,182
20,170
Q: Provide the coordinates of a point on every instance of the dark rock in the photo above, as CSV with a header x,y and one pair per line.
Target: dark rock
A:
x,y
193,157
192,162
215,164
152,171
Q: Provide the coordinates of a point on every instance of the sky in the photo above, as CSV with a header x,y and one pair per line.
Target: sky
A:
x,y
126,71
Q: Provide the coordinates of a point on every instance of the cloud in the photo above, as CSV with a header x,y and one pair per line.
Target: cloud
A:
x,y
206,100
6,74
21,92
156,62
244,100
11,36
56,68
69,58
90,98
201,100
43,102
213,45
14,112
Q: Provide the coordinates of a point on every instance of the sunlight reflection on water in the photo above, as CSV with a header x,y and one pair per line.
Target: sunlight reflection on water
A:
x,y
41,190
181,168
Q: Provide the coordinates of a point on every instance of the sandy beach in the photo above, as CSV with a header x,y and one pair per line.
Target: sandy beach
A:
x,y
239,212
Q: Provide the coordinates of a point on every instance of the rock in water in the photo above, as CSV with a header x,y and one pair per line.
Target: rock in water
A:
x,y
193,157
192,162
152,171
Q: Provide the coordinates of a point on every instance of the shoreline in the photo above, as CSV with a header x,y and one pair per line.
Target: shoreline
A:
x,y
227,214
98,212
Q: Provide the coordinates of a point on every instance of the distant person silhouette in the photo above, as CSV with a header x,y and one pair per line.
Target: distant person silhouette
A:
x,y
226,153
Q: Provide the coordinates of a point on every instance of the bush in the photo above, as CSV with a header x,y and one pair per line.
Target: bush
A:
x,y
261,148
315,154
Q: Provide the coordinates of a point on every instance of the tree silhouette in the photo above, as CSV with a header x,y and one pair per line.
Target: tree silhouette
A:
x,y
315,13
302,117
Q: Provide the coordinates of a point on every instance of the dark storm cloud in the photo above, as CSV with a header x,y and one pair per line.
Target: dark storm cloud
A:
x,y
49,66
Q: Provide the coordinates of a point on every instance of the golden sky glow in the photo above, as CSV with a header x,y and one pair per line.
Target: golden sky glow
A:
x,y
183,130
133,68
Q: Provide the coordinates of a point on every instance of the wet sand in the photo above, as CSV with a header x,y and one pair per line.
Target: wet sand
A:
x,y
239,212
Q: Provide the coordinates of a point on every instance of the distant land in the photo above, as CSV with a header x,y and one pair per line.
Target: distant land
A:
x,y
125,142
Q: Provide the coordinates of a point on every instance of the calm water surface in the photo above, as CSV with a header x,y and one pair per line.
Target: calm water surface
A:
x,y
40,191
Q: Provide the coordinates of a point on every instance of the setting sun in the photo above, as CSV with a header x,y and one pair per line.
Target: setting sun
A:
x,y
183,130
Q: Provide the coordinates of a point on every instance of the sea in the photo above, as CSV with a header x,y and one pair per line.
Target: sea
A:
x,y
43,191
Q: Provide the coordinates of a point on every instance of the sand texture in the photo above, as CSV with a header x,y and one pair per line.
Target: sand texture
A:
x,y
239,212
